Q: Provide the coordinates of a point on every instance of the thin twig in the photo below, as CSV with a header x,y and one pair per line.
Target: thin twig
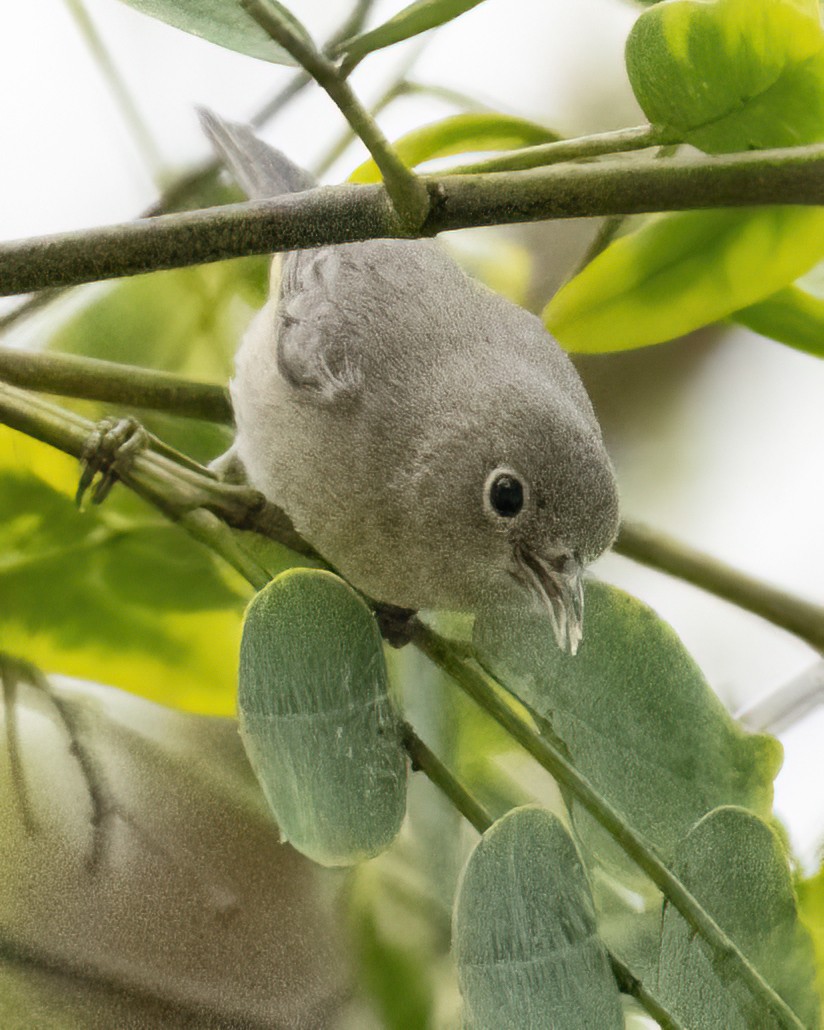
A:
x,y
659,551
71,375
408,195
582,147
339,214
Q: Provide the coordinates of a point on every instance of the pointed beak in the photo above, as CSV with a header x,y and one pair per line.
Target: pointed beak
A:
x,y
558,583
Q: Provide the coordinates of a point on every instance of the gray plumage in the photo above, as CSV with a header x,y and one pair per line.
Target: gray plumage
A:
x,y
381,392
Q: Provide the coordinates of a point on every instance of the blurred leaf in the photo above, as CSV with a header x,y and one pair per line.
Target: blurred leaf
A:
x,y
811,912
195,916
681,271
460,134
633,710
111,593
416,18
220,21
794,315
731,75
524,934
320,730
737,868
187,321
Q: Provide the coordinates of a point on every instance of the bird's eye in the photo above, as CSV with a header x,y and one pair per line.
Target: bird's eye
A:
x,y
506,494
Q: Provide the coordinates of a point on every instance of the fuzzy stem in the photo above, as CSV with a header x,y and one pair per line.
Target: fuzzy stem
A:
x,y
661,552
71,375
407,194
617,142
338,214
492,697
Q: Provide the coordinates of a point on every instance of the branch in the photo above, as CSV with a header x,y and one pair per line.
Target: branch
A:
x,y
408,195
71,375
661,552
496,700
340,214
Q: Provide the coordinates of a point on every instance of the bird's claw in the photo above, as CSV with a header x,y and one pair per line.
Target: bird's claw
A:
x,y
109,452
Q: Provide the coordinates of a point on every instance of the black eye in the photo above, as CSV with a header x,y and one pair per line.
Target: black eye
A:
x,y
506,495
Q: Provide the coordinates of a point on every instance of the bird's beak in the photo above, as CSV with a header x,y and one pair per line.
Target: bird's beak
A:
x,y
558,582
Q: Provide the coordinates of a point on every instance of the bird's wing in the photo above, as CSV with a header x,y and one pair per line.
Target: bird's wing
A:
x,y
316,340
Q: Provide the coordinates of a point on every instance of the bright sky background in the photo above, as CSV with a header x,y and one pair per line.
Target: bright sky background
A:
x,y
731,462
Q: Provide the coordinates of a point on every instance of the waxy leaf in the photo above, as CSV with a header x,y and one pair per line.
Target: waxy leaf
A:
x,y
794,315
220,21
320,729
731,75
524,936
633,710
460,134
682,271
737,867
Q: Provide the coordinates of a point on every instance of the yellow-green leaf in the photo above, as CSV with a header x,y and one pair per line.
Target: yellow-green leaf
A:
x,y
460,134
794,315
732,74
682,271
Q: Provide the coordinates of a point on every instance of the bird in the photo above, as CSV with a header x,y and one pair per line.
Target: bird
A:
x,y
427,436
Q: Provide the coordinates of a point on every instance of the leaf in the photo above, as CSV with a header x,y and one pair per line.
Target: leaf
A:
x,y
731,75
220,21
737,868
682,271
524,935
114,592
195,916
411,21
320,729
633,710
794,315
811,912
460,134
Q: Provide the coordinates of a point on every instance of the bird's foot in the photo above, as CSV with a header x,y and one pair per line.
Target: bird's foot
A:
x,y
109,452
395,624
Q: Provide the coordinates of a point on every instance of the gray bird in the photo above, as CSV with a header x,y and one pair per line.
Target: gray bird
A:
x,y
429,438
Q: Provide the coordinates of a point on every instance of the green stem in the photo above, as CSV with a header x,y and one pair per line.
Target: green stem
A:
x,y
71,375
661,552
494,700
620,141
339,214
408,195
131,115
471,809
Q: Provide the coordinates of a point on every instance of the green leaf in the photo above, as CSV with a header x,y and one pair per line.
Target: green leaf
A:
x,y
811,912
113,592
220,21
731,75
633,710
460,134
682,271
416,18
319,727
794,315
524,935
737,868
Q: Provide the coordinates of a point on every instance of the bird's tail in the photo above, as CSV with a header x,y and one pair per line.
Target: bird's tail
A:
x,y
260,170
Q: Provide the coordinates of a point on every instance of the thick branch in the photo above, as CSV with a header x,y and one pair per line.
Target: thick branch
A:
x,y
803,619
337,214
71,375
